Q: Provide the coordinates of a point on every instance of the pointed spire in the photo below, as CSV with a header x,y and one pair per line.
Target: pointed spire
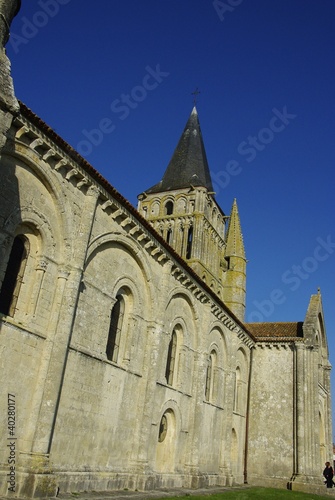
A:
x,y
235,245
235,277
188,165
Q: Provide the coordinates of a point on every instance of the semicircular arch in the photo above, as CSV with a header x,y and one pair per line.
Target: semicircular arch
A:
x,y
217,338
170,404
30,163
135,253
242,363
180,308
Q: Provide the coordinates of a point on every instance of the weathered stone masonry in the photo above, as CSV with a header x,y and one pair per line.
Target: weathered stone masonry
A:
x,y
124,355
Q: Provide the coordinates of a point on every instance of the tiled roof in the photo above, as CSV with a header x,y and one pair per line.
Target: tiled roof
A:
x,y
276,331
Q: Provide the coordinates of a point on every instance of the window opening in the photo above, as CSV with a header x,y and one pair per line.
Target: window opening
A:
x,y
168,208
238,388
115,327
189,243
171,358
163,427
14,275
169,236
210,376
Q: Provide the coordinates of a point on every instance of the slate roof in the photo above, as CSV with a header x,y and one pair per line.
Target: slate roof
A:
x,y
188,165
276,331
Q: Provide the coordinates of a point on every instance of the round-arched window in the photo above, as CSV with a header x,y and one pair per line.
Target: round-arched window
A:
x,y
168,208
163,426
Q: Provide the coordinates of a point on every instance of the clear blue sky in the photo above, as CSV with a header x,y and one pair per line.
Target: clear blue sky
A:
x,y
114,79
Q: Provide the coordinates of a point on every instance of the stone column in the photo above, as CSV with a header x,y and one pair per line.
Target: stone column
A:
x,y
40,273
313,410
198,236
144,449
61,326
328,413
300,417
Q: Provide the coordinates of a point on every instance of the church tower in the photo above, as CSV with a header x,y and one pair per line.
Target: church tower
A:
x,y
183,209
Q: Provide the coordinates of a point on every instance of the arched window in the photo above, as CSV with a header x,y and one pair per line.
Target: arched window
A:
x,y
210,376
171,359
154,209
163,427
181,205
166,446
115,329
189,243
169,236
181,238
168,208
241,377
238,390
14,275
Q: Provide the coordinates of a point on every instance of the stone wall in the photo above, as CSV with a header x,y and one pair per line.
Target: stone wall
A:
x,y
86,421
270,443
8,103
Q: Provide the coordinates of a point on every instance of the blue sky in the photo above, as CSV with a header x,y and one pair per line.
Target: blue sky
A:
x,y
115,78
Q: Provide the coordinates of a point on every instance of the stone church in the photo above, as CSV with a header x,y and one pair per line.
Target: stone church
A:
x,y
125,358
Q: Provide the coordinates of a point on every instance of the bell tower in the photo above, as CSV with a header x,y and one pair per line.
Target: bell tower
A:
x,y
182,208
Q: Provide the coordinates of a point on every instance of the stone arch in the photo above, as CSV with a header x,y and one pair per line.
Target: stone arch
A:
x,y
131,287
173,353
234,453
242,361
219,335
121,312
180,310
179,293
29,162
181,204
109,241
241,381
168,207
27,218
14,275
168,430
220,225
115,264
214,216
35,229
218,342
211,384
165,200
154,208
136,251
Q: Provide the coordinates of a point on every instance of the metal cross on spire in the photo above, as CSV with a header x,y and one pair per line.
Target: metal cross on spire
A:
x,y
195,94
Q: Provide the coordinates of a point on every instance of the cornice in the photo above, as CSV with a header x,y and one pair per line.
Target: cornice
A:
x,y
278,343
